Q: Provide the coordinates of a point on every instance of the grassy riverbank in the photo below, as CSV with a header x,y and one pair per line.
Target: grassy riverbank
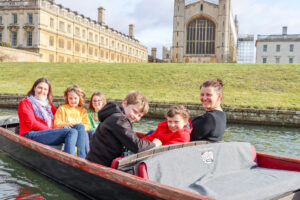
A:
x,y
247,85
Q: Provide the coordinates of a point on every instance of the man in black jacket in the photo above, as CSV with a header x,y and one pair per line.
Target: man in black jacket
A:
x,y
115,133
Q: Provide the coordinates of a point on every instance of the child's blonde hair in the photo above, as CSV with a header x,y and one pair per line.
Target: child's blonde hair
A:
x,y
178,110
78,91
101,95
135,97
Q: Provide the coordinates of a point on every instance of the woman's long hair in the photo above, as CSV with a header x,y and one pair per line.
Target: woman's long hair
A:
x,y
31,92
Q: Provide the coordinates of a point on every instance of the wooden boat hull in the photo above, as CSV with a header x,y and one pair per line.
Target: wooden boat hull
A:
x,y
92,180
99,182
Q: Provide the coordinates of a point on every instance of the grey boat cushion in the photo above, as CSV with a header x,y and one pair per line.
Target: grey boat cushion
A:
x,y
221,171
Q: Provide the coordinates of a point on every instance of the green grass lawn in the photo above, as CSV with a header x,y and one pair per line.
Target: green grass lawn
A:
x,y
246,85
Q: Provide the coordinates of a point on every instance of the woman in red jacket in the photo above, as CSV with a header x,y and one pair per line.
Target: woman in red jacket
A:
x,y
176,129
36,115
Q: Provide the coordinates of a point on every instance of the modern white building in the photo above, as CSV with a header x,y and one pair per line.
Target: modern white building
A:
x,y
245,49
282,48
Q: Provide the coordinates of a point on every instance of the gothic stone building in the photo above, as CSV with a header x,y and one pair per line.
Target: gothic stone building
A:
x,y
204,31
61,35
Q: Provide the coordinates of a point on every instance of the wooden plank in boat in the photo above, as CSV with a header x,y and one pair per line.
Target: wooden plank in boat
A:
x,y
135,158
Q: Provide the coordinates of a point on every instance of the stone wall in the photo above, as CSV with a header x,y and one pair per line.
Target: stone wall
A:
x,y
17,55
287,118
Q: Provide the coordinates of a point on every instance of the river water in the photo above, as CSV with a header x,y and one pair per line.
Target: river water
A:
x,y
17,180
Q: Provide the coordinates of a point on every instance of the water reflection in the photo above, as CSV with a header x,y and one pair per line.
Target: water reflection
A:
x,y
19,182
268,139
5,112
275,140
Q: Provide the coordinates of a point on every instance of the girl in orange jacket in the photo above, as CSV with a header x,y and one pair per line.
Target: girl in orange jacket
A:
x,y
73,115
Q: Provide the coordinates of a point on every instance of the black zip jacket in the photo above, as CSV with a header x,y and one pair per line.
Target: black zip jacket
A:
x,y
114,135
209,126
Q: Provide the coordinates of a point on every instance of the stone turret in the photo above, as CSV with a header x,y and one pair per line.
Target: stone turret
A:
x,y
178,31
224,32
236,23
284,30
153,54
131,30
166,54
101,15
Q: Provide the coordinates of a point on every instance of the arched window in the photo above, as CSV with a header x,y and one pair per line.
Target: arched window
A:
x,y
201,37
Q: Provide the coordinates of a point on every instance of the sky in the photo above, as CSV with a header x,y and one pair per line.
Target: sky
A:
x,y
153,19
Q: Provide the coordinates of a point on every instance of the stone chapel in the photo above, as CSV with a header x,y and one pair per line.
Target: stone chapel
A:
x,y
204,31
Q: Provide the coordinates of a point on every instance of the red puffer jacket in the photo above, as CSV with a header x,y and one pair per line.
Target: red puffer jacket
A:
x,y
27,119
167,137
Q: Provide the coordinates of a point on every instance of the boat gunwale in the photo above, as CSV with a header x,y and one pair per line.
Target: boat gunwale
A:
x,y
133,182
278,157
279,162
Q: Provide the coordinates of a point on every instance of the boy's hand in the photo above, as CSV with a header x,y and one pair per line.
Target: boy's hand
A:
x,y
157,142
68,126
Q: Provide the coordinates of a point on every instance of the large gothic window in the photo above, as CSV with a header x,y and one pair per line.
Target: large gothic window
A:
x,y
201,37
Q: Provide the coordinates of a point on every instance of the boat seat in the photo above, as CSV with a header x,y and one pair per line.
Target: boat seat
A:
x,y
114,163
220,170
127,161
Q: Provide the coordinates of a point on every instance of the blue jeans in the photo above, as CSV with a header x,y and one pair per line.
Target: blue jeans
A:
x,y
70,136
55,137
89,135
81,140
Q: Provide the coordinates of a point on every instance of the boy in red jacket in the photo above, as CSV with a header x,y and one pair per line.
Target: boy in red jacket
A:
x,y
176,129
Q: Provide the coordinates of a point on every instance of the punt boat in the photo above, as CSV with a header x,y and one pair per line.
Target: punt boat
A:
x,y
99,182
